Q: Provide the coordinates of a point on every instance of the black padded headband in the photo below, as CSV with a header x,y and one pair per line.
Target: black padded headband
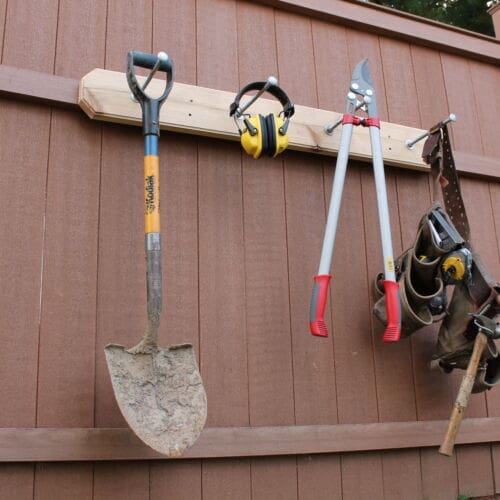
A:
x,y
274,90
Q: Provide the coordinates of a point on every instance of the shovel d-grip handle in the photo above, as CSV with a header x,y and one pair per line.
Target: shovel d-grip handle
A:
x,y
149,61
393,311
318,305
150,105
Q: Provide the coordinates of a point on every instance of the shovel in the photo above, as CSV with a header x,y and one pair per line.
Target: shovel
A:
x,y
159,391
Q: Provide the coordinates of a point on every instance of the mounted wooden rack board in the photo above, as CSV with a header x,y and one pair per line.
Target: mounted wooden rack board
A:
x,y
104,95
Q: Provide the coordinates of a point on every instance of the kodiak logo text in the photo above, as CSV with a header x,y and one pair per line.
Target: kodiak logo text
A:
x,y
150,194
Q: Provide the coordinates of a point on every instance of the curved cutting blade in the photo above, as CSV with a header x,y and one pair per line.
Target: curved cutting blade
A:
x,y
161,395
361,84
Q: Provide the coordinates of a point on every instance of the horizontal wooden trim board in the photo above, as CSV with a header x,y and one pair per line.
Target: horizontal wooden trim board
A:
x,y
77,444
374,18
105,95
44,88
17,83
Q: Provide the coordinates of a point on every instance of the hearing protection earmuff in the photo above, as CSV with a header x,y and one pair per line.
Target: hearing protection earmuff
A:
x,y
263,135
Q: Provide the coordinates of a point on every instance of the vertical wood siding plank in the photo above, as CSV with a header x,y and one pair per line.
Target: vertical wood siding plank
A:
x,y
459,90
60,481
223,346
395,380
226,479
217,45
3,17
496,467
24,197
176,479
272,478
476,195
267,303
174,32
475,473
430,87
494,399
332,66
121,306
67,327
70,264
399,81
71,224
435,391
395,390
485,83
465,131
439,475
475,462
314,383
80,38
23,184
295,51
222,313
121,310
267,309
16,481
174,21
358,49
357,280
348,327
319,477
402,475
66,378
68,321
313,363
222,287
362,476
126,481
315,386
179,194
354,363
257,50
128,27
30,35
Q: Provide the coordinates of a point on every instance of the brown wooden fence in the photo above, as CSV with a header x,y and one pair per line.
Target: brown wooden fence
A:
x,y
242,243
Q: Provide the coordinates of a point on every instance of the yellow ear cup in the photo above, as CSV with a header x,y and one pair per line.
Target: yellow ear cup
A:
x,y
252,144
281,139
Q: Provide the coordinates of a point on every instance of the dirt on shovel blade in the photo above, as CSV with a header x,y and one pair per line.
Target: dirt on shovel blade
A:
x,y
161,395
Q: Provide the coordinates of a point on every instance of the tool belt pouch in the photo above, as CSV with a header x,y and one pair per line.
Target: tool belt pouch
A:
x,y
456,341
421,289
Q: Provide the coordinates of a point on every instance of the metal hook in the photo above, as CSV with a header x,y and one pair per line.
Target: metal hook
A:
x,y
162,57
411,143
269,83
329,128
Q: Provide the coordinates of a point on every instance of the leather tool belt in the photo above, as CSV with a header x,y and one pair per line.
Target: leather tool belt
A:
x,y
442,255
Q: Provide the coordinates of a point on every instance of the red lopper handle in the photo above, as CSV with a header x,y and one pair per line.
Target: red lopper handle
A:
x,y
392,305
318,305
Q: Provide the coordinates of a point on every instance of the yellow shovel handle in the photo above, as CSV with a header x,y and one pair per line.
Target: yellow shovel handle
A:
x,y
151,194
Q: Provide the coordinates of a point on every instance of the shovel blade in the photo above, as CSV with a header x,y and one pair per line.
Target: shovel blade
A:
x,y
160,395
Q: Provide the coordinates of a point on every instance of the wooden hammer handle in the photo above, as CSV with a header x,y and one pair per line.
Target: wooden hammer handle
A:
x,y
463,396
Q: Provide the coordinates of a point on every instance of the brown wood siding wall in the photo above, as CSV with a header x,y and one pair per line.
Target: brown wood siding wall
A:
x,y
242,242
